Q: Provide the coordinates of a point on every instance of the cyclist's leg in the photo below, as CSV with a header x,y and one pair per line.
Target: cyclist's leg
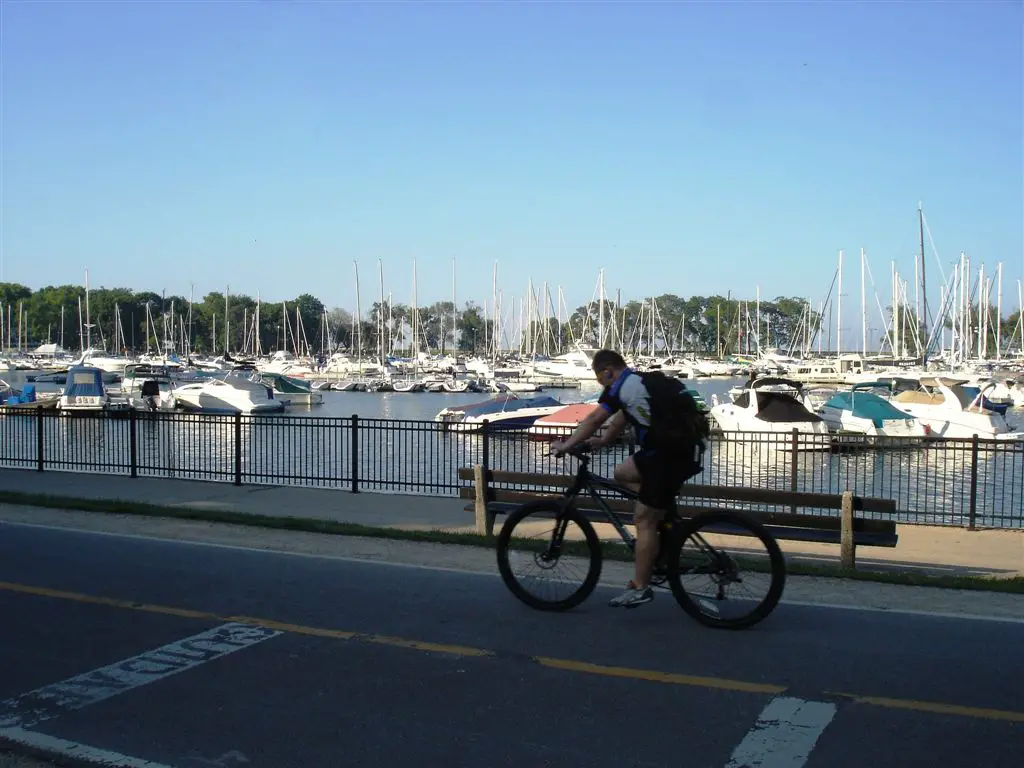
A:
x,y
639,472
646,520
627,474
654,500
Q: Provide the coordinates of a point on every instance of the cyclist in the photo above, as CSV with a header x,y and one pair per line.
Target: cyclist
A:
x,y
656,474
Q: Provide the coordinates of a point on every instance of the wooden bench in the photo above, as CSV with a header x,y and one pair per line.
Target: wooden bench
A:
x,y
844,529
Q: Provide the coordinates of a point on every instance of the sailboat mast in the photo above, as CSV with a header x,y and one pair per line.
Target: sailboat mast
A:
x,y
863,309
924,285
494,312
227,322
999,310
88,334
381,346
359,321
454,310
415,330
839,310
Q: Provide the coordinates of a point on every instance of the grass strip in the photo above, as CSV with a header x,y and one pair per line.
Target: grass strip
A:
x,y
611,550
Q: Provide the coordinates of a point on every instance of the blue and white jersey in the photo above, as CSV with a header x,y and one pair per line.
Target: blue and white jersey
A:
x,y
628,394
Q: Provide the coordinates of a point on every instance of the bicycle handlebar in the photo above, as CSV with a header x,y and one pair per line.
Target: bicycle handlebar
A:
x,y
579,452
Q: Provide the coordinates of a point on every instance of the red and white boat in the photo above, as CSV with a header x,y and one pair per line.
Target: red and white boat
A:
x,y
562,422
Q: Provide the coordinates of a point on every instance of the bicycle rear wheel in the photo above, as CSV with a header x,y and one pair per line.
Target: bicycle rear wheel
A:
x,y
726,570
549,557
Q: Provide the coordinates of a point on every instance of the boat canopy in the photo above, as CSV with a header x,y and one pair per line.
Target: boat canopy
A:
x,y
84,381
865,405
777,407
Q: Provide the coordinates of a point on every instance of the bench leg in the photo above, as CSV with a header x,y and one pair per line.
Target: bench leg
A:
x,y
484,518
847,548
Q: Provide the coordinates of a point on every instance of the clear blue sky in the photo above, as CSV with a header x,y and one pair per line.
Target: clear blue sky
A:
x,y
688,148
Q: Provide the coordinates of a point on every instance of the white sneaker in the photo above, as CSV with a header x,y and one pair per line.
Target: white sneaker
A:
x,y
632,597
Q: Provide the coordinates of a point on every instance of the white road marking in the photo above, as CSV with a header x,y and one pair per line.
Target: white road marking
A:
x,y
80,752
784,734
906,611
34,707
491,574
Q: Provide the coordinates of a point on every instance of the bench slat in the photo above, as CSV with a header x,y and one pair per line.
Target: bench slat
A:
x,y
883,536
820,522
725,493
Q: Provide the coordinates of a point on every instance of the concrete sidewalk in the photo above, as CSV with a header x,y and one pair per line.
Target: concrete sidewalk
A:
x,y
929,549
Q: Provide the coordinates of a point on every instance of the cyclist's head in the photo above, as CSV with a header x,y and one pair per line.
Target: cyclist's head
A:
x,y
607,364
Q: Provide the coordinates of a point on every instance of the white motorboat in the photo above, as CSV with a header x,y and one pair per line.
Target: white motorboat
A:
x,y
772,404
291,391
574,366
865,413
111,363
235,392
85,391
948,410
1008,392
505,412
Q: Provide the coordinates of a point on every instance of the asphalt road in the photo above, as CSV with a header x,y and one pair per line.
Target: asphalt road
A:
x,y
254,658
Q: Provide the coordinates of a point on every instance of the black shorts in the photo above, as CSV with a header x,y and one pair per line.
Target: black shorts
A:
x,y
662,474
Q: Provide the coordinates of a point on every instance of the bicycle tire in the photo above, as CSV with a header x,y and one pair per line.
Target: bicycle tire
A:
x,y
553,510
776,563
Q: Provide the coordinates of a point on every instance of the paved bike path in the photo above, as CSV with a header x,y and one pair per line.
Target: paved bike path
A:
x,y
501,685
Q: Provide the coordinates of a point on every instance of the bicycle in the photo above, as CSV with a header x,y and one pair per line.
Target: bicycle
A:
x,y
675,562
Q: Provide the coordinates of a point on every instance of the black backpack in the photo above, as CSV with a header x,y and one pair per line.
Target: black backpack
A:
x,y
677,423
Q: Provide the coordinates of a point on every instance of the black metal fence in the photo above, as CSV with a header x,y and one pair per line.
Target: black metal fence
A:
x,y
972,482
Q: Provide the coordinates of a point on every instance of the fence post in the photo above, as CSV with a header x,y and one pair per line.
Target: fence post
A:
x,y
133,454
355,453
486,458
847,549
238,449
794,446
973,510
39,438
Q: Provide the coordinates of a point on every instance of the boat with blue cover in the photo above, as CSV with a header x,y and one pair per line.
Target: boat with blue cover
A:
x,y
505,412
85,392
859,410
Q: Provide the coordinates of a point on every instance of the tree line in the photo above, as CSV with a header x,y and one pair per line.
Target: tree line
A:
x,y
144,320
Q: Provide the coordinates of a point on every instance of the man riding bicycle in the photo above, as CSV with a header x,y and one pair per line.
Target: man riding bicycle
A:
x,y
655,471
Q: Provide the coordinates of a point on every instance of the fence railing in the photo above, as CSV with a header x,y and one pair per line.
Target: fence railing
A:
x,y
970,482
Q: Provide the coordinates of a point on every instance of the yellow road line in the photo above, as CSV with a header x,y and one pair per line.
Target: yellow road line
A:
x,y
935,708
420,645
298,629
569,665
77,597
659,677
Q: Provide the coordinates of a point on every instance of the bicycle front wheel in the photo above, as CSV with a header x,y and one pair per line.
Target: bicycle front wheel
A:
x,y
549,557
726,570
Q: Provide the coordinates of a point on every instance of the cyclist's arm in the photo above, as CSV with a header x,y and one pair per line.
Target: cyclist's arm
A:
x,y
590,424
616,424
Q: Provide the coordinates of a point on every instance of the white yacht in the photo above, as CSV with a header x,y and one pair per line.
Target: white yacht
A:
x,y
772,404
949,411
235,392
865,413
574,366
97,358
286,363
848,369
84,391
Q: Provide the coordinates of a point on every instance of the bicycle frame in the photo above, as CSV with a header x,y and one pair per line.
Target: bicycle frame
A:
x,y
591,483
